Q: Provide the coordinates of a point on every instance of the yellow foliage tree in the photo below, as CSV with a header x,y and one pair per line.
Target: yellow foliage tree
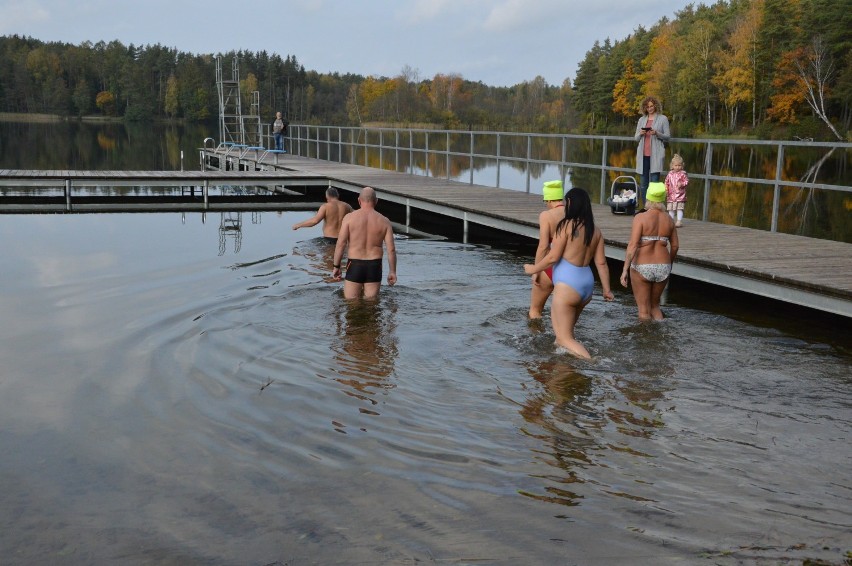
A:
x,y
736,67
661,65
789,96
626,94
105,101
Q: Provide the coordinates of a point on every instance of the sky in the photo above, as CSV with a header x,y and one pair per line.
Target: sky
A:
x,y
497,42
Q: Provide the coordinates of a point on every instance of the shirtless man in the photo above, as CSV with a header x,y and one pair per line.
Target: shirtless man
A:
x,y
363,232
331,213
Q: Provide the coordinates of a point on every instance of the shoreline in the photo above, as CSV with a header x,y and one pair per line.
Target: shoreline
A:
x,y
37,118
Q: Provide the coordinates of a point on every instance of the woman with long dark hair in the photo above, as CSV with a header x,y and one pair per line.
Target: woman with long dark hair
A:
x,y
576,244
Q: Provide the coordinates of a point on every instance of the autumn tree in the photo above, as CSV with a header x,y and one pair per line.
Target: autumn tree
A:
x,y
105,101
627,92
736,66
660,67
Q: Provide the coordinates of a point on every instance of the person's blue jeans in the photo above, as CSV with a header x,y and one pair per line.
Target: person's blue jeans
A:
x,y
647,177
279,142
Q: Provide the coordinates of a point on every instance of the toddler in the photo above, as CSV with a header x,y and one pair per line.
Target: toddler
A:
x,y
676,182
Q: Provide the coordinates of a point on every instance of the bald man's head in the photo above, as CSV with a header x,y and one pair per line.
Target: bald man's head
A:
x,y
368,194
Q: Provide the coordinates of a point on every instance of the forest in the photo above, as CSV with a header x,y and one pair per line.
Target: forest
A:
x,y
761,68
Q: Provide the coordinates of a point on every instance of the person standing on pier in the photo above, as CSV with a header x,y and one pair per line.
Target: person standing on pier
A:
x,y
676,182
650,253
362,235
542,282
576,244
278,130
652,130
330,214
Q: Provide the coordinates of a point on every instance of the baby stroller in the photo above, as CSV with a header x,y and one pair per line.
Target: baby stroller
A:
x,y
624,195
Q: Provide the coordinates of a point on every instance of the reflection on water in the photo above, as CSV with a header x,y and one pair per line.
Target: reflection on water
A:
x,y
161,403
367,350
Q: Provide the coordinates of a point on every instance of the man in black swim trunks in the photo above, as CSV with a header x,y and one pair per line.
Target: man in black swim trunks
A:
x,y
362,234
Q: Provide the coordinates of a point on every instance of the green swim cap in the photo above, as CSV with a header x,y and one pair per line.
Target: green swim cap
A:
x,y
656,192
552,190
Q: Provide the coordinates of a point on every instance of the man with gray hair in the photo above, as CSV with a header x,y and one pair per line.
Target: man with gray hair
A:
x,y
362,235
331,213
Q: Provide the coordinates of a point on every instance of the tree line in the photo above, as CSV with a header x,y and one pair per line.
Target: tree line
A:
x,y
761,67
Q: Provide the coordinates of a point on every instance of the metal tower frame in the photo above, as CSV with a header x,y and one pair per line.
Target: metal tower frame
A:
x,y
235,127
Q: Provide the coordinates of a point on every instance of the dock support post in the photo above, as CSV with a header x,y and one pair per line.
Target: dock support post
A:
x,y
407,213
529,156
464,238
68,195
776,193
206,192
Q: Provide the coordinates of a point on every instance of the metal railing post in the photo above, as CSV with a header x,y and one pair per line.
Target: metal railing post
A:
x,y
498,160
529,156
562,168
381,149
471,157
410,152
776,193
68,195
447,148
427,154
604,161
708,168
396,150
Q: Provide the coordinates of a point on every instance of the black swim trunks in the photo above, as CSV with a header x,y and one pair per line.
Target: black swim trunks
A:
x,y
364,270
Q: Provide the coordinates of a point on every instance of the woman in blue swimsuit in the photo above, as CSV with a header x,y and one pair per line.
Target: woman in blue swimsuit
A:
x,y
576,244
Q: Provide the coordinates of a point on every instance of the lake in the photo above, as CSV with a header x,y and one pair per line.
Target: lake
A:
x,y
193,389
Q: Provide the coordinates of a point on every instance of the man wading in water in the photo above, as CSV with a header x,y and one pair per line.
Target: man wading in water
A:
x,y
362,234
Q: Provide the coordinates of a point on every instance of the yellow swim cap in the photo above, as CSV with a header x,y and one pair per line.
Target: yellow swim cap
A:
x,y
656,192
552,190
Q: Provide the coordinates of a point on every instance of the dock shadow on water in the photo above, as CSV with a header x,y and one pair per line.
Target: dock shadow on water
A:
x,y
161,403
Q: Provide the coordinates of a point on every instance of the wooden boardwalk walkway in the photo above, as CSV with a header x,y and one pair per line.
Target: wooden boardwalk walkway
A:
x,y
805,271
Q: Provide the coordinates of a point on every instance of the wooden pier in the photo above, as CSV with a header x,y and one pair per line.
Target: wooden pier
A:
x,y
808,272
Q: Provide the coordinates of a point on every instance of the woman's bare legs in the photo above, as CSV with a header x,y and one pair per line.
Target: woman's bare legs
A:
x,y
657,292
565,309
647,295
539,295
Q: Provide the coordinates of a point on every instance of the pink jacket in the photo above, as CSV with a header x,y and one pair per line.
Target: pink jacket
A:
x,y
676,182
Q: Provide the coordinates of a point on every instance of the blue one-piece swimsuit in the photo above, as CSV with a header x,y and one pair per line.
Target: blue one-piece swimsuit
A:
x,y
580,279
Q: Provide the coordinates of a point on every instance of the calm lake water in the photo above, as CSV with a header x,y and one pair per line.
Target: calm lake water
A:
x,y
175,393
192,389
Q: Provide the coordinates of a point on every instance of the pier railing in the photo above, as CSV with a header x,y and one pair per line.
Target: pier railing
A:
x,y
591,159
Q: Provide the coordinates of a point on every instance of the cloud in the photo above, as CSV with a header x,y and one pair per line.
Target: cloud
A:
x,y
17,15
425,10
520,14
